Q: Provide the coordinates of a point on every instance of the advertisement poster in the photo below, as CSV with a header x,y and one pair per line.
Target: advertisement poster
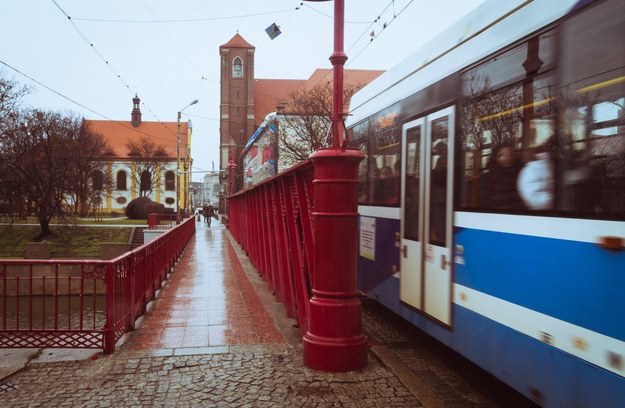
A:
x,y
367,237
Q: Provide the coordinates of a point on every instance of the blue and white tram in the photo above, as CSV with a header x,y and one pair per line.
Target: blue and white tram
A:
x,y
492,194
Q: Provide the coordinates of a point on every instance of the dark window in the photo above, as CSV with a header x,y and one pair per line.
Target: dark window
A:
x,y
412,156
508,122
170,181
379,140
146,181
591,159
97,180
529,146
438,181
237,68
121,180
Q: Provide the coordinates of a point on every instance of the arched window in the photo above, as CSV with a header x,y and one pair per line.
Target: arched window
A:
x,y
170,181
237,68
146,181
121,180
97,180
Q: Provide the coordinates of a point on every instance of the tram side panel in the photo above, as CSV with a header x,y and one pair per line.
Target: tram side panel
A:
x,y
537,300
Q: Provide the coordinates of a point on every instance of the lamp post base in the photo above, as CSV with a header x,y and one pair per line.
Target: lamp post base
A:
x,y
334,352
334,341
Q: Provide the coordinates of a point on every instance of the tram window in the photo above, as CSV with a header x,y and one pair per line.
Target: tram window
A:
x,y
438,189
412,156
380,141
507,133
592,160
535,56
564,147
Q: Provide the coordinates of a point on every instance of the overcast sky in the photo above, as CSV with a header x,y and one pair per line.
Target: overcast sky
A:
x,y
168,51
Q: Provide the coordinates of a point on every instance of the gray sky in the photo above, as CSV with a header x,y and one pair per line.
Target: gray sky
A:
x,y
168,51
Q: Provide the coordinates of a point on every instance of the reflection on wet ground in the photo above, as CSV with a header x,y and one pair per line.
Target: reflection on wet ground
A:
x,y
208,300
50,312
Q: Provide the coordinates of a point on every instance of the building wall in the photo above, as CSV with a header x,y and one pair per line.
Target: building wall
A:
x,y
237,103
117,200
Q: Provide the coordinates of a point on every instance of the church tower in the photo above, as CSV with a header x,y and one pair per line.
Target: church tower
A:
x,y
237,100
135,115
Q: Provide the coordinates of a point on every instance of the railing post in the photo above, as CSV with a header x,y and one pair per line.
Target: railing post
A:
x,y
109,326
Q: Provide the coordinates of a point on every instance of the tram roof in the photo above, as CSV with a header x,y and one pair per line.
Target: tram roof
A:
x,y
488,28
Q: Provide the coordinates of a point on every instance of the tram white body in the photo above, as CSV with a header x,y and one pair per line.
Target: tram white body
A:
x,y
534,295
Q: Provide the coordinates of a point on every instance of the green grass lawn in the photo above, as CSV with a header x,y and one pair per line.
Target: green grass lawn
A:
x,y
82,221
67,241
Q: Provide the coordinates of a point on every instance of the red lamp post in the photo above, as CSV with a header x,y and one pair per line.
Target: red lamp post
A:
x,y
334,341
231,167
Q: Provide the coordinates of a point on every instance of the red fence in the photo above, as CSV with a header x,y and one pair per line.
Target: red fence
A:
x,y
161,221
273,223
83,303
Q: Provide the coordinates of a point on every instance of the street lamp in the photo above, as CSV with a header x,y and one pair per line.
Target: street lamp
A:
x,y
334,340
178,162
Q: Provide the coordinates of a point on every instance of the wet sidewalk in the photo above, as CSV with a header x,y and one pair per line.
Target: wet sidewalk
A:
x,y
216,337
209,301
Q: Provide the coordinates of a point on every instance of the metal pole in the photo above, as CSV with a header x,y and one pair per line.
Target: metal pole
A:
x,y
334,341
178,171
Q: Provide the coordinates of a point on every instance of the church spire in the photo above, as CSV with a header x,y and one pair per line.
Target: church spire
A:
x,y
136,112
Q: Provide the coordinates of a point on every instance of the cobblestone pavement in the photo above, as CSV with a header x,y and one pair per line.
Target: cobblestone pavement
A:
x,y
244,376
406,369
258,376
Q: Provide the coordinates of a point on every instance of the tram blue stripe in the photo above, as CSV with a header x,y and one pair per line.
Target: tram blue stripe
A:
x,y
573,281
528,364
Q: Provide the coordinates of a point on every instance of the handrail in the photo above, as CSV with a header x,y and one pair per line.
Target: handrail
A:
x,y
84,303
272,221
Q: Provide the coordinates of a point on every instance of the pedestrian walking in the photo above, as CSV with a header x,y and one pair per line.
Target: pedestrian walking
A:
x,y
209,213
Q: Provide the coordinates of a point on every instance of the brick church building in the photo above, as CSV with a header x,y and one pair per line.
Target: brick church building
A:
x,y
246,101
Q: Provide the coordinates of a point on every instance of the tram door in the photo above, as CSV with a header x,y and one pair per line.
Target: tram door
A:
x,y
425,281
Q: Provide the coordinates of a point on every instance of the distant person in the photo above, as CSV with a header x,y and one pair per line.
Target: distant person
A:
x,y
386,192
209,214
498,186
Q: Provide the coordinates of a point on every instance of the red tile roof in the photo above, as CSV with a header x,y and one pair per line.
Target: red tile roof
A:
x,y
350,76
237,42
118,133
269,93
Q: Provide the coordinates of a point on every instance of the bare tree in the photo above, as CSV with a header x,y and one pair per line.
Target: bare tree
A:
x,y
37,156
497,112
88,178
11,93
10,191
148,156
307,120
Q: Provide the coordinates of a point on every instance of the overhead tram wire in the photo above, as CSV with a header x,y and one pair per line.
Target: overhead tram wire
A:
x,y
384,27
77,103
198,72
119,77
371,24
84,37
188,20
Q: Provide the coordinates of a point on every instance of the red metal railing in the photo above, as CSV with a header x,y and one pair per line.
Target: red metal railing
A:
x,y
83,303
272,221
161,221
